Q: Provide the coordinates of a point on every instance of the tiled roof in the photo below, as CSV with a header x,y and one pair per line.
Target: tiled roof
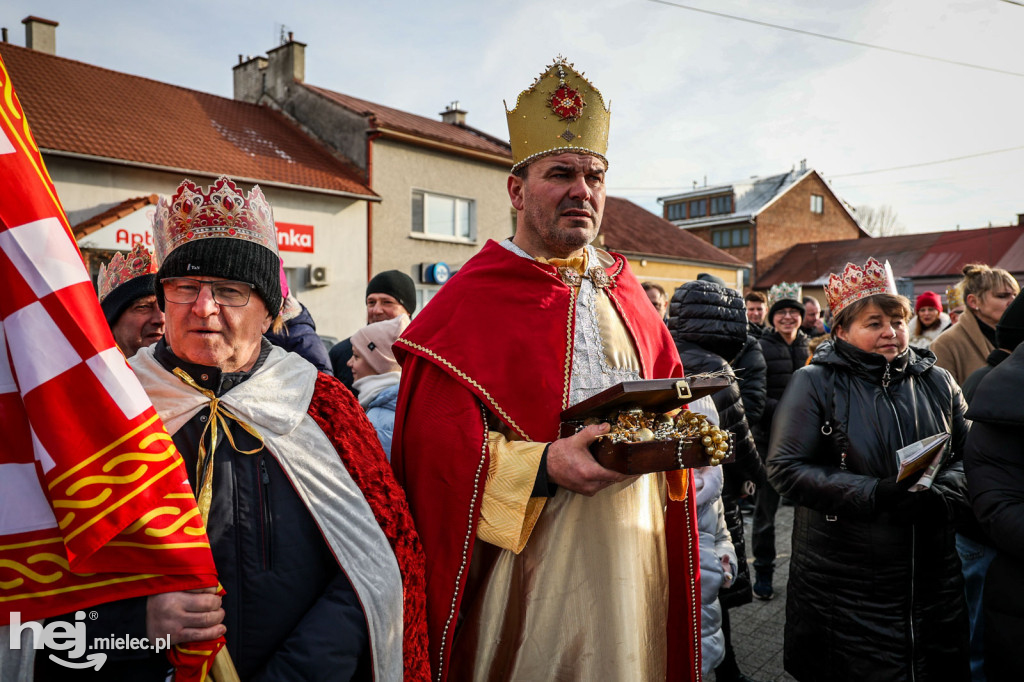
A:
x,y
420,126
84,109
112,215
635,230
929,254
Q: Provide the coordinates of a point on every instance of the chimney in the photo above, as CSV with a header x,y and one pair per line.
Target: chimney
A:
x,y
454,114
286,64
40,34
1020,220
803,165
4,31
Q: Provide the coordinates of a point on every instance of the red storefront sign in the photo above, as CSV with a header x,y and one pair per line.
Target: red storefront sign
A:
x,y
293,237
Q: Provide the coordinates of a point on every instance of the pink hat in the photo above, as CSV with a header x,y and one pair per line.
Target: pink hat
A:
x,y
374,343
928,299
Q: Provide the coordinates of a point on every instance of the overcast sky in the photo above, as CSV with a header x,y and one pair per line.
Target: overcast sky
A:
x,y
693,96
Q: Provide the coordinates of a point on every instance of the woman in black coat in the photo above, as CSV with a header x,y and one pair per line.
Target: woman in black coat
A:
x,y
709,324
995,477
875,590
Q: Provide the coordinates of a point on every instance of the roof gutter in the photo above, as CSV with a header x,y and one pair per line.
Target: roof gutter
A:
x,y
678,261
193,171
745,218
486,157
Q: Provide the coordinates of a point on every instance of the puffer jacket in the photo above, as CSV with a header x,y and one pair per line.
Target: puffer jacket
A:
x,y
782,360
706,319
715,543
995,478
872,594
708,324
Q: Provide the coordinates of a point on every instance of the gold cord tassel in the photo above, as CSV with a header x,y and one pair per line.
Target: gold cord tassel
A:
x,y
218,420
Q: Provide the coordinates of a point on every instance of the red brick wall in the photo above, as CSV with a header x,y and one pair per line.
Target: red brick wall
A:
x,y
789,221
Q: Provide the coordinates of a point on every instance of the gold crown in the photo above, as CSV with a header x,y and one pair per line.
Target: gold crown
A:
x,y
561,112
122,269
784,291
222,212
955,296
856,283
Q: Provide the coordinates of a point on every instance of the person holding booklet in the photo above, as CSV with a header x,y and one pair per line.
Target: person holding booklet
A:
x,y
875,589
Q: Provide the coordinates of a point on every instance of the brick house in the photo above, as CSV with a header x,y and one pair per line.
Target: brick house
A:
x,y
111,147
442,182
660,252
756,221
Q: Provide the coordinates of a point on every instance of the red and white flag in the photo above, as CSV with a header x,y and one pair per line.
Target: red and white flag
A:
x,y
95,503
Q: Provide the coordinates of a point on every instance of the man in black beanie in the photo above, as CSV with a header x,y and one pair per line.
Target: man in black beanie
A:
x,y
128,302
389,294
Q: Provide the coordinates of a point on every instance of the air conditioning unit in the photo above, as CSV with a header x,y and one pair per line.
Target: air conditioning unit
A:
x,y
318,276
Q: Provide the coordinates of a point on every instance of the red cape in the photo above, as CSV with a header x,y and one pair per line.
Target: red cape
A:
x,y
499,333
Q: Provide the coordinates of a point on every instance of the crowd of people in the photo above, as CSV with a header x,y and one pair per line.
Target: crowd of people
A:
x,y
407,506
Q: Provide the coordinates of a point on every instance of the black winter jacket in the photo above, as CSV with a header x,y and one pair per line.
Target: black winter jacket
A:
x,y
708,323
875,592
781,360
995,478
705,321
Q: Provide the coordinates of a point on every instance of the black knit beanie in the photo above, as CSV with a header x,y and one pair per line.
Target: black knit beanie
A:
x,y
1010,329
397,284
786,303
118,300
229,258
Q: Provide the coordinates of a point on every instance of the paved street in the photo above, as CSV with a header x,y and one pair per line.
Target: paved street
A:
x,y
757,627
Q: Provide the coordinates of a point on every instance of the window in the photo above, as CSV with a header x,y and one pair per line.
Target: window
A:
x,y
731,237
676,211
698,208
817,203
443,216
722,204
423,296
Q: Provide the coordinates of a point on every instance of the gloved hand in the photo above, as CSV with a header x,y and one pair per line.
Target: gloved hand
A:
x,y
904,507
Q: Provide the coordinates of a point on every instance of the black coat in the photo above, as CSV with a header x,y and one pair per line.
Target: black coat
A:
x,y
706,320
781,360
995,478
872,595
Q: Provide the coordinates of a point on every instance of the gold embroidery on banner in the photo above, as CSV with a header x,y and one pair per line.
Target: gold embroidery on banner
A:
x,y
84,504
170,545
78,588
89,460
124,500
465,544
567,378
504,415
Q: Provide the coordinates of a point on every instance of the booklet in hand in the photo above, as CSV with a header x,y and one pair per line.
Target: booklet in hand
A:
x,y
925,454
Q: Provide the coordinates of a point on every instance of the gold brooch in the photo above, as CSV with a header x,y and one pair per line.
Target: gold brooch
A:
x,y
599,277
570,276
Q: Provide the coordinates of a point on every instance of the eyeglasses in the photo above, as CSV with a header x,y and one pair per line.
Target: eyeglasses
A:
x,y
788,312
225,292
